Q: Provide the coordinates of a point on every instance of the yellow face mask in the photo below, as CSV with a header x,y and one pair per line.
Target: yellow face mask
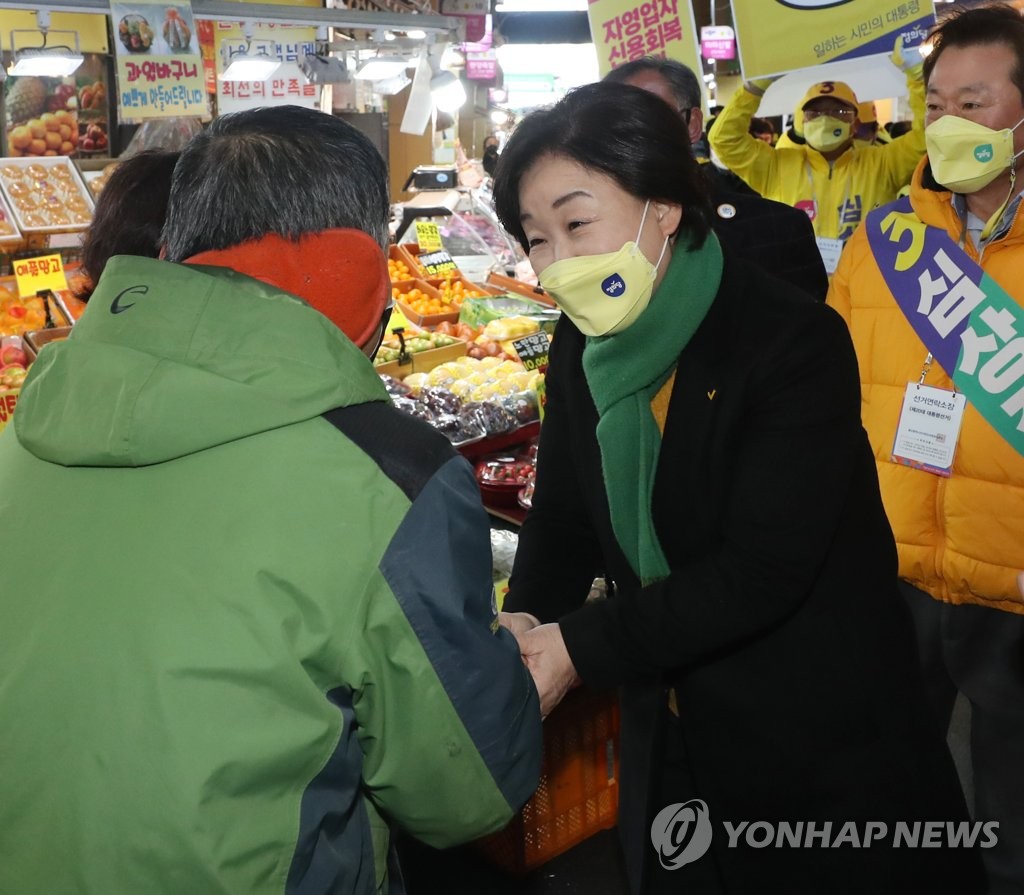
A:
x,y
825,133
966,157
604,294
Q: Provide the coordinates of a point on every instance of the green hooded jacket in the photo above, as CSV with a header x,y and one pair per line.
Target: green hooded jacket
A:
x,y
247,620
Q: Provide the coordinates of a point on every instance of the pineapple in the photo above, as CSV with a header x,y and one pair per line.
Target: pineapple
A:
x,y
26,98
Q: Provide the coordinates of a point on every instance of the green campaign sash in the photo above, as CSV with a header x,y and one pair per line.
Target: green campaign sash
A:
x,y
973,328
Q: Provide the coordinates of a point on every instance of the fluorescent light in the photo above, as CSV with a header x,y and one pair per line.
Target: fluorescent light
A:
x,y
380,68
46,63
250,68
448,91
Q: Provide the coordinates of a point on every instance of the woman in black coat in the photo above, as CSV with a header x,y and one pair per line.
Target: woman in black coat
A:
x,y
702,448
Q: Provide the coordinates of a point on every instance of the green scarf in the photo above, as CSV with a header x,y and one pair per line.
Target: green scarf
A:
x,y
624,372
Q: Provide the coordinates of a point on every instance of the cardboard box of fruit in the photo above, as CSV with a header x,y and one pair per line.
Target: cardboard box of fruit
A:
x,y
423,352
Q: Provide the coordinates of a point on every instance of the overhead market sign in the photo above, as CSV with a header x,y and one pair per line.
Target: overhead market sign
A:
x,y
159,68
778,37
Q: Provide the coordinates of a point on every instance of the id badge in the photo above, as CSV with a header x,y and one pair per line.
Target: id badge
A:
x,y
928,429
830,250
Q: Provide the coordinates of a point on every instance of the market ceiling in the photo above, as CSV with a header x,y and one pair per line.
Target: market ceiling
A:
x,y
543,27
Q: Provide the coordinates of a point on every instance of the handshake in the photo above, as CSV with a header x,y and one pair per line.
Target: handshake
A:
x,y
545,656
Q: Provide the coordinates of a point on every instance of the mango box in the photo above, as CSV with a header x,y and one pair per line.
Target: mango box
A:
x,y
423,361
8,399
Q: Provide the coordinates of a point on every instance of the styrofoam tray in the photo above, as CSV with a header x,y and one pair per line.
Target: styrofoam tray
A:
x,y
37,189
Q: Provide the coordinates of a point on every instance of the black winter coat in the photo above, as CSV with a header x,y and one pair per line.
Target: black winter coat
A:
x,y
780,627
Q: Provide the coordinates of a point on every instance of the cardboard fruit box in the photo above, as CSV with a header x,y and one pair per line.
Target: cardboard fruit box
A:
x,y
399,292
423,361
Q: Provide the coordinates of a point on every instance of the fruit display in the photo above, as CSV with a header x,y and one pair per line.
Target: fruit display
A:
x,y
420,300
26,98
13,370
398,271
92,97
480,345
13,363
391,348
21,315
41,117
135,33
454,289
9,232
47,195
509,471
177,34
94,139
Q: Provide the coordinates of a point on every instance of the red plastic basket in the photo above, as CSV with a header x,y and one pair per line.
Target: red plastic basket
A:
x,y
578,793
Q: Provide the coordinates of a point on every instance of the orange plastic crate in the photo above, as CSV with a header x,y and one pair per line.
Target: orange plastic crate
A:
x,y
578,793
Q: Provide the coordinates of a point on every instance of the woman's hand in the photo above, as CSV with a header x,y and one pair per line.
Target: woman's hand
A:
x,y
548,660
518,622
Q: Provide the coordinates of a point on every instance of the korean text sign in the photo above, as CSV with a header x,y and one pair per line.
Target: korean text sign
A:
x,y
159,68
777,36
623,30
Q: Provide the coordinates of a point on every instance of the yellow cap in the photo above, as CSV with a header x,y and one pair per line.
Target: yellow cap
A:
x,y
866,113
830,90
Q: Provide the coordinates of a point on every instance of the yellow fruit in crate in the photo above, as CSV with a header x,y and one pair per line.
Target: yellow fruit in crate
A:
x,y
38,129
36,147
52,140
20,137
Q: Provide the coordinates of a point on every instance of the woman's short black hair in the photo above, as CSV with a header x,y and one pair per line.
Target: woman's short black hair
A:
x,y
130,212
623,132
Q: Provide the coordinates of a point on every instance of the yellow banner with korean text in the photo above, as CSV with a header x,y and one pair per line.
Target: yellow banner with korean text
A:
x,y
159,69
777,36
623,30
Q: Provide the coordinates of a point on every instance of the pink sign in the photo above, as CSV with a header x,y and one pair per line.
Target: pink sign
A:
x,y
482,66
717,42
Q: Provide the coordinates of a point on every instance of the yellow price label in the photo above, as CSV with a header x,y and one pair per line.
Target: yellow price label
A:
x,y
36,274
428,236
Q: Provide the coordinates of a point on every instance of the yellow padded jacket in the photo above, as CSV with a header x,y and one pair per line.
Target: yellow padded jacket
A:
x,y
844,190
960,539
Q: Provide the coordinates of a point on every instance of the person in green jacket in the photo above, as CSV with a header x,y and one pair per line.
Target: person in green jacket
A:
x,y
252,629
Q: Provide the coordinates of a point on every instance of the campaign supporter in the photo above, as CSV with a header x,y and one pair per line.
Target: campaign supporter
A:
x,y
703,449
267,636
833,180
776,237
931,288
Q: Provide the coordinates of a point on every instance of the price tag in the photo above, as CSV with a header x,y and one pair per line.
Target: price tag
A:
x,y
437,262
428,237
533,350
37,274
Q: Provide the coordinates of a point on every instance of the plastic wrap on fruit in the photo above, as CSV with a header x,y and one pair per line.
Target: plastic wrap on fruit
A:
x,y
415,408
523,405
503,552
457,430
440,400
494,418
395,387
506,328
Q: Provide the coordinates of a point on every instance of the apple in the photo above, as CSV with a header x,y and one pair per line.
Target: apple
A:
x,y
12,354
88,145
12,376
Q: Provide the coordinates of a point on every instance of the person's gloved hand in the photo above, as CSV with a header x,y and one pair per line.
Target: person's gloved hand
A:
x,y
759,85
908,60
